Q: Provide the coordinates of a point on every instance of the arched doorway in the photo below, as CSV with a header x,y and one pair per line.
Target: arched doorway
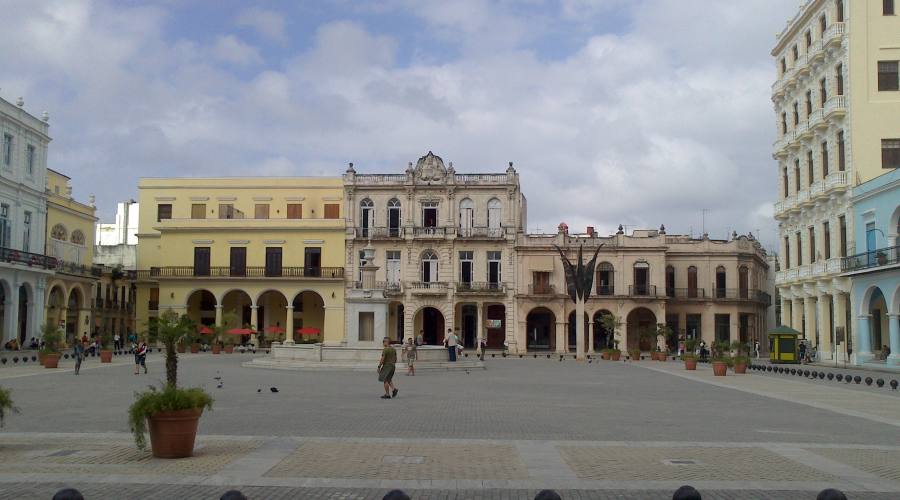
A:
x,y
603,338
430,321
271,316
237,303
201,307
540,329
640,320
878,320
73,314
309,317
495,326
56,302
24,306
572,329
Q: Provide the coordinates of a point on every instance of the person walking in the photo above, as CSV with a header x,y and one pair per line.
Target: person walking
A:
x,y
140,358
451,341
386,367
756,349
78,354
117,342
420,338
409,350
802,352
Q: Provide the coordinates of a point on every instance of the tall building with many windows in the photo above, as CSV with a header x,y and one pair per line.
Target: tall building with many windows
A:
x,y
836,101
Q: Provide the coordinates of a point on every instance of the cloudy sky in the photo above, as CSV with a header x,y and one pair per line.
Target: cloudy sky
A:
x,y
638,112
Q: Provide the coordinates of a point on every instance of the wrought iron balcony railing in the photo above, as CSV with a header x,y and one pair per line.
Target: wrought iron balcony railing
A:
x,y
246,272
429,232
481,232
476,287
538,289
27,258
642,290
686,293
605,290
379,232
867,260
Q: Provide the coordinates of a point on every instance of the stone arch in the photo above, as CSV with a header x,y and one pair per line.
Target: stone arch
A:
x,y
540,329
639,319
603,338
238,302
59,232
431,320
201,306
876,308
309,313
78,237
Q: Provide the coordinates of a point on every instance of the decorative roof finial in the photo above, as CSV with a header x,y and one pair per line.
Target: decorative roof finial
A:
x,y
20,102
621,230
45,116
662,229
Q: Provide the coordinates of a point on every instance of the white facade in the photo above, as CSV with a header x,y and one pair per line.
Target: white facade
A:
x,y
116,243
24,269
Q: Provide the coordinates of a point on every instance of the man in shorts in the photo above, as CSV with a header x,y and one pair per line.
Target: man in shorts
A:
x,y
409,349
386,368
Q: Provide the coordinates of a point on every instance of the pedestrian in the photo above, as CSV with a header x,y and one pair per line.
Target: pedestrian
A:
x,y
132,339
451,341
84,340
420,338
802,352
386,366
756,349
33,345
409,350
117,342
78,354
686,493
482,342
140,358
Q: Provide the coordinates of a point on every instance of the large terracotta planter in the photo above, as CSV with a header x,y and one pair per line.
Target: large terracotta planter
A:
x,y
720,368
51,360
105,356
172,433
195,348
181,349
604,355
217,349
615,355
229,349
635,355
690,364
663,356
41,357
740,368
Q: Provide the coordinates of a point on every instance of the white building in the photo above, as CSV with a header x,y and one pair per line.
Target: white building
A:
x,y
116,243
24,269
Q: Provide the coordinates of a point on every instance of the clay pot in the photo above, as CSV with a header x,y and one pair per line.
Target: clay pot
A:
x,y
635,355
740,368
181,349
604,355
615,356
41,357
662,356
105,356
51,360
217,349
172,433
690,364
229,349
720,368
195,348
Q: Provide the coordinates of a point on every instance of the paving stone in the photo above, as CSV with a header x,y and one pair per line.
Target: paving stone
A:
x,y
882,463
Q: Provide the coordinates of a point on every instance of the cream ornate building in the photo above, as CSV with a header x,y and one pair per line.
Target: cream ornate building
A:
x,y
703,289
444,248
836,99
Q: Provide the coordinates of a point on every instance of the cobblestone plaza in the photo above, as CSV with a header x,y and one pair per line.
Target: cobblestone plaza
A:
x,y
591,430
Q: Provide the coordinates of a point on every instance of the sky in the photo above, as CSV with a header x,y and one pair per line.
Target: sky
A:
x,y
634,112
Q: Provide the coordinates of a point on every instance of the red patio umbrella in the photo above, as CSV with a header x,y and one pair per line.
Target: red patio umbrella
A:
x,y
240,331
275,329
204,330
308,331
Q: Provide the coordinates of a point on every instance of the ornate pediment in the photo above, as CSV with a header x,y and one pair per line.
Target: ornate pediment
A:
x,y
430,168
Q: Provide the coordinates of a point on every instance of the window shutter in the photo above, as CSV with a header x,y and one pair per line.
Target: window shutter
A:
x,y
332,211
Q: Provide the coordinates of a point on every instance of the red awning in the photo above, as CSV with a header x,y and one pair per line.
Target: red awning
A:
x,y
274,329
240,331
309,331
204,330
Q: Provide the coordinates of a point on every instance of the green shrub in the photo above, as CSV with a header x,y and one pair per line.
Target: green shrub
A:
x,y
6,405
52,336
153,401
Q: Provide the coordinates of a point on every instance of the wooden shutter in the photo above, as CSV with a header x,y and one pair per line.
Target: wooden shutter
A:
x,y
332,211
198,211
261,211
294,211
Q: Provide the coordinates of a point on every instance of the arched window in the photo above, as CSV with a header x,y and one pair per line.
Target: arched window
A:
x,y
670,281
692,282
366,217
642,279
721,282
605,279
429,266
743,282
494,214
466,216
393,217
58,232
77,237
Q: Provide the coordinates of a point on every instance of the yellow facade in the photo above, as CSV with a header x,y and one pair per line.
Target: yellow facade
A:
x,y
246,247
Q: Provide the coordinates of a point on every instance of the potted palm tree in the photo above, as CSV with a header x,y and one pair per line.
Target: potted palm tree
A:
x,y
741,358
688,356
611,323
105,351
720,358
665,331
6,405
170,413
52,338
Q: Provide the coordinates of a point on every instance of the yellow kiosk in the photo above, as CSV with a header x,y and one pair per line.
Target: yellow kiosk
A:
x,y
783,345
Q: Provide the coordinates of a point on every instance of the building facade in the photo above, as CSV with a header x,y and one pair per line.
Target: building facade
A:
x,y
444,249
836,96
266,252
875,273
701,289
24,267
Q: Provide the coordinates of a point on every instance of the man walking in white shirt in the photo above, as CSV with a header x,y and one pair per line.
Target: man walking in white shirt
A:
x,y
451,341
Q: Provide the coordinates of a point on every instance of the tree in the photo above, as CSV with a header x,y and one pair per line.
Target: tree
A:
x,y
612,324
171,329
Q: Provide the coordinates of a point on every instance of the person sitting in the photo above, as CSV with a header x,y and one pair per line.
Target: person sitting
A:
x,y
395,495
831,494
686,493
33,345
68,494
12,345
232,495
547,495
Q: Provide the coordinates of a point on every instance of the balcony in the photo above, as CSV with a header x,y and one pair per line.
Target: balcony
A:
x,y
815,53
79,270
686,293
541,289
785,205
389,287
642,290
428,287
778,87
246,273
816,189
833,35
139,275
429,232
481,288
804,271
874,259
816,120
487,233
803,197
780,146
153,305
800,130
837,180
836,106
10,256
379,233
605,290
801,65
742,294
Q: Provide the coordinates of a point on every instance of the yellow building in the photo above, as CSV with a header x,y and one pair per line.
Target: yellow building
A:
x,y
269,251
70,238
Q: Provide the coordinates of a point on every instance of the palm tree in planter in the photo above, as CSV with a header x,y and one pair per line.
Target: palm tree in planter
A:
x,y
52,338
173,413
220,332
105,352
742,356
6,405
688,356
612,324
666,332
720,360
647,335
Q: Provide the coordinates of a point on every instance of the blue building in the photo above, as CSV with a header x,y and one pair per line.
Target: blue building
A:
x,y
875,273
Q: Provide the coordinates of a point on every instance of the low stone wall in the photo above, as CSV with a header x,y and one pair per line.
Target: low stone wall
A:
x,y
325,357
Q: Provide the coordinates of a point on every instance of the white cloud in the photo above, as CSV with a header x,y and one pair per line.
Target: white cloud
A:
x,y
267,23
230,49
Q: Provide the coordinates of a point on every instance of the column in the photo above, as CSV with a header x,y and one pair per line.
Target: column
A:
x,y
824,322
11,314
797,315
785,311
840,322
560,337
219,309
809,304
479,331
862,347
590,348
254,321
894,332
708,326
289,325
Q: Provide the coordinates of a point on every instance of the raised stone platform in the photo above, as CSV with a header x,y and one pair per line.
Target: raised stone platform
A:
x,y
356,358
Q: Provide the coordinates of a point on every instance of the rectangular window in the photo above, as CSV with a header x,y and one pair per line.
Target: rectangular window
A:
x,y
825,159
808,103
812,244
888,7
887,76
783,66
429,214
796,113
797,175
890,153
826,239
201,261
294,211
29,159
787,252
26,241
273,261
784,128
393,266
842,156
823,25
227,211
540,282
261,211
198,211
808,38
163,211
839,10
332,211
795,52
312,261
7,150
465,266
823,92
799,241
153,304
366,326
4,226
238,262
723,327
839,79
784,181
692,324
809,167
842,222
493,270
